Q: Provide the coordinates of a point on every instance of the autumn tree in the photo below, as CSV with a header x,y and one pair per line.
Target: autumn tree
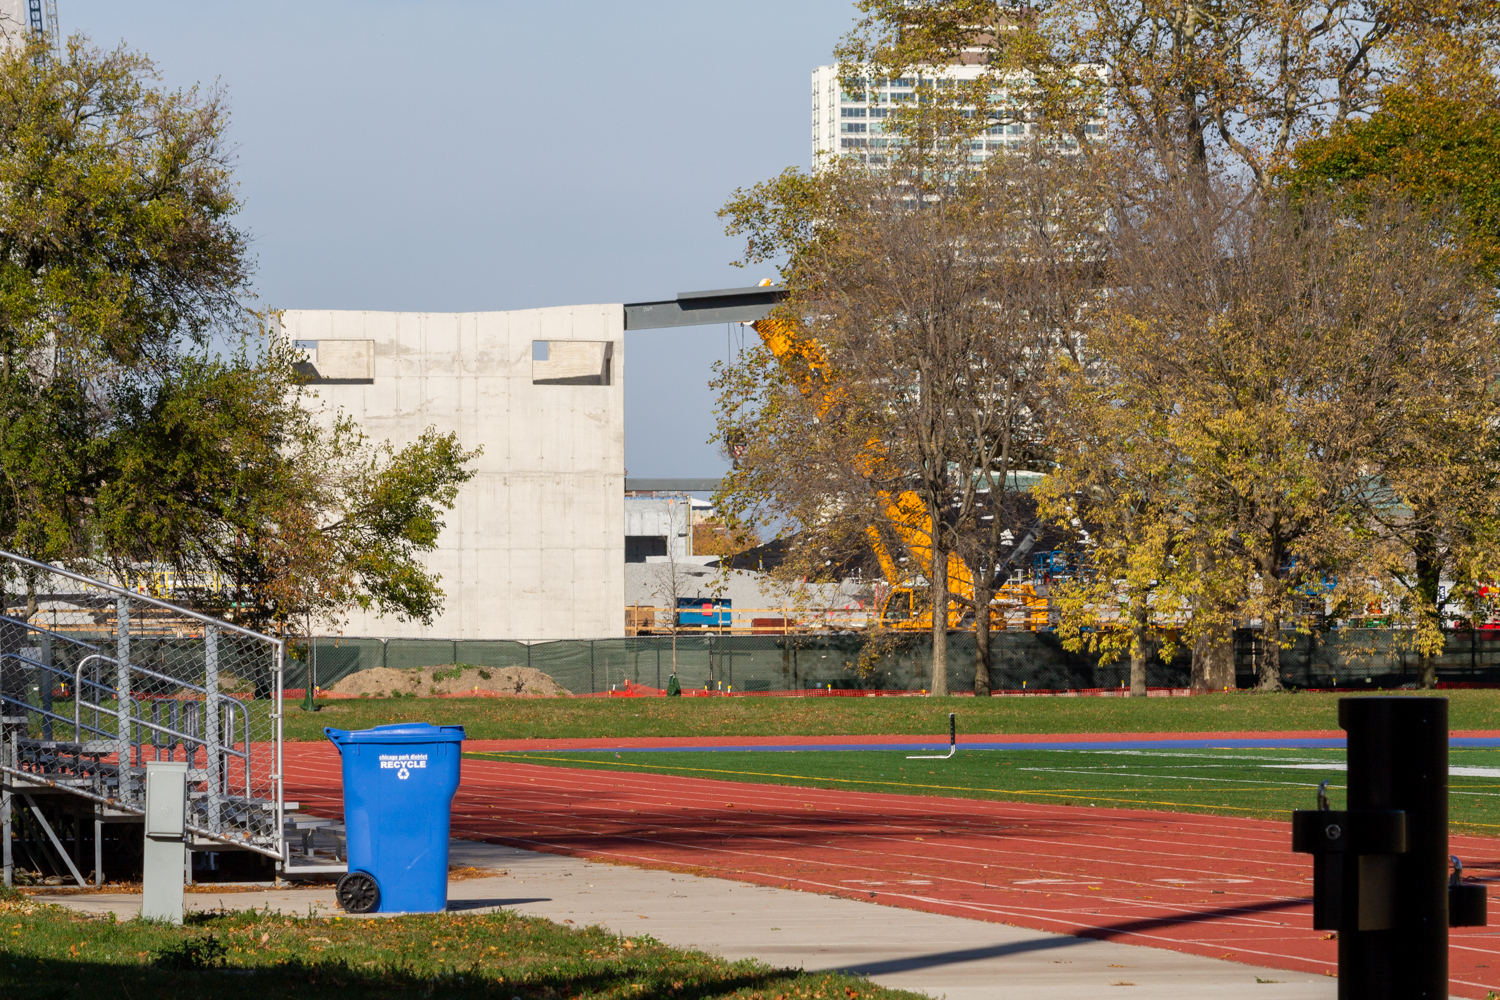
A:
x,y
1039,227
1435,142
1295,342
907,390
1116,466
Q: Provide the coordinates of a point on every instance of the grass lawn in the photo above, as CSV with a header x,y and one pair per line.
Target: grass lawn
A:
x,y
540,718
50,953
1233,782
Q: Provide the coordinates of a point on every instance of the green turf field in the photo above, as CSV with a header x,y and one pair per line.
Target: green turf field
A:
x,y
542,718
1267,784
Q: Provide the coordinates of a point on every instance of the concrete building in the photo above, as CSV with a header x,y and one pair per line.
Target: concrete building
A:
x,y
533,548
657,526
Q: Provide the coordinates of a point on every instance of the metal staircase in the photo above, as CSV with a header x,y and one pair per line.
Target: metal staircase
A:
x,y
94,682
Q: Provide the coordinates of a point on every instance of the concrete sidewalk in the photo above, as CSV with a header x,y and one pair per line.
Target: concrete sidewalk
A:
x,y
938,955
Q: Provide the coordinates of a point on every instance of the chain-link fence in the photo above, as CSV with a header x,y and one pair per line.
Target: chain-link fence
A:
x,y
1370,657
1020,661
747,663
95,681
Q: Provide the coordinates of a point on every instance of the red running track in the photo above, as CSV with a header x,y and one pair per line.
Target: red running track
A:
x,y
1205,885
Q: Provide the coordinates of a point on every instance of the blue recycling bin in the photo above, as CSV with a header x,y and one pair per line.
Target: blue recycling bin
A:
x,y
398,791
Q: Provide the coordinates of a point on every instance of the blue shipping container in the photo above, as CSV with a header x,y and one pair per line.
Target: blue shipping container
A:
x,y
709,612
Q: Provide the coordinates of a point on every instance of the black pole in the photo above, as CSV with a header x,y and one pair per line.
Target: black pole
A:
x,y
1380,866
1398,760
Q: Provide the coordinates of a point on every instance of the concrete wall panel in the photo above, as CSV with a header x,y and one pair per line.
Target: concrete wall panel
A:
x,y
533,548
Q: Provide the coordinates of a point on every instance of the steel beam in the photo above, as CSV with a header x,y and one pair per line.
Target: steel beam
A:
x,y
671,485
724,305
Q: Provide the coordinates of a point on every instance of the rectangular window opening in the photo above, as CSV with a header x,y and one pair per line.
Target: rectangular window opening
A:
x,y
572,362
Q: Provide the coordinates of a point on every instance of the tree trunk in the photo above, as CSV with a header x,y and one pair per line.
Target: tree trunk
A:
x,y
939,621
1427,671
1429,560
1270,655
1213,660
1139,649
982,600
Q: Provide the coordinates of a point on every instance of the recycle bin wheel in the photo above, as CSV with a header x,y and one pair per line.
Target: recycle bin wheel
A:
x,y
358,892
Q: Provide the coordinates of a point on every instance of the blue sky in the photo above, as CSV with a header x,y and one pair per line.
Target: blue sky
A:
x,y
453,156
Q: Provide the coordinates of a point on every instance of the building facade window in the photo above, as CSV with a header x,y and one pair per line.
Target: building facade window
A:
x,y
861,111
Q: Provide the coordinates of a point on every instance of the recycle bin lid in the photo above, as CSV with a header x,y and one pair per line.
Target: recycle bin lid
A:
x,y
400,732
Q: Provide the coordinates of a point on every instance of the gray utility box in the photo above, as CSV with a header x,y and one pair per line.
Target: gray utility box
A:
x,y
165,852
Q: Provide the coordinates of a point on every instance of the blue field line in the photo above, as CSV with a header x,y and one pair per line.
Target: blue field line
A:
x,y
1470,742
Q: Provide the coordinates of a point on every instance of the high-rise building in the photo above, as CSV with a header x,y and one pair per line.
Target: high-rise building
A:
x,y
22,19
854,124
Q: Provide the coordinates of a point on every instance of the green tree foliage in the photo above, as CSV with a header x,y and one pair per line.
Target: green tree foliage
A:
x,y
1436,147
128,441
117,246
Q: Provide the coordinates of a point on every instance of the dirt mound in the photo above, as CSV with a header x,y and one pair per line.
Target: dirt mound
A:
x,y
459,678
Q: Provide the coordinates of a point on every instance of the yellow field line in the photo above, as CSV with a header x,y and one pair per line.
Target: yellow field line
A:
x,y
1063,793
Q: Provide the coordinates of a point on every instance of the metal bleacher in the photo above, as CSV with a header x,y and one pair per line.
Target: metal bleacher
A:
x,y
97,680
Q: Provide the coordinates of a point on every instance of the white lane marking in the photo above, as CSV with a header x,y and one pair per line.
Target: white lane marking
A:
x,y
1174,777
1468,772
1180,753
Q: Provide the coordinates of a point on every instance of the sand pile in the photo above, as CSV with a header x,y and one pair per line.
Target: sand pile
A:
x,y
460,678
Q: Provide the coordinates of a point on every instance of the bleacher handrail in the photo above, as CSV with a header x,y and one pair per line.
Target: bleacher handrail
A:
x,y
136,596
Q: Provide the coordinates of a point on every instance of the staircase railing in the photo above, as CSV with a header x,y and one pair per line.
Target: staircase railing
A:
x,y
95,681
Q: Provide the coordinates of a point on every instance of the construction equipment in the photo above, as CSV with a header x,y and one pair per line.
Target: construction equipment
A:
x,y
1012,604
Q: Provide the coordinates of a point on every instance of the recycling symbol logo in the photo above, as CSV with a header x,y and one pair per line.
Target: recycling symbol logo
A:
x,y
403,774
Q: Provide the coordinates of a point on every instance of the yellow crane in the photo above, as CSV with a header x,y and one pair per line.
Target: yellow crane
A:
x,y
906,514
